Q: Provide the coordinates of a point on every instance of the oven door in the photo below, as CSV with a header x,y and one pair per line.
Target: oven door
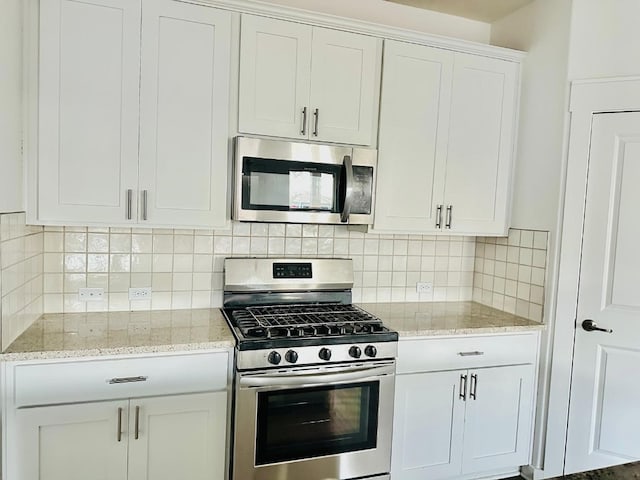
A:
x,y
314,423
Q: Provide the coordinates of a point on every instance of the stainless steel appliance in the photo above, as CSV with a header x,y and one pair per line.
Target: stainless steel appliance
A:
x,y
315,374
281,181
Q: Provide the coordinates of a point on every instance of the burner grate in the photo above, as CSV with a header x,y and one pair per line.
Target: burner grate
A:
x,y
309,316
291,321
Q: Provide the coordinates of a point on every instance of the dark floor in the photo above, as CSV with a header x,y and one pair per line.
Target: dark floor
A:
x,y
630,471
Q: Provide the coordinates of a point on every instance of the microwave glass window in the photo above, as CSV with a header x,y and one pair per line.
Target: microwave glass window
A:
x,y
310,191
316,421
290,186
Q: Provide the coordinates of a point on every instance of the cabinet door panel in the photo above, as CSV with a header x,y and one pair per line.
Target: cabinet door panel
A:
x,y
88,109
428,426
414,117
480,148
344,69
179,437
275,66
498,420
72,442
184,129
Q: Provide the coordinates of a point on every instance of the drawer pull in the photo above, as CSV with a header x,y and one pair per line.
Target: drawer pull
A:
x,y
475,353
119,380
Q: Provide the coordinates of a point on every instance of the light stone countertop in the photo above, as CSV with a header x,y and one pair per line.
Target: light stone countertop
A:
x,y
425,319
73,335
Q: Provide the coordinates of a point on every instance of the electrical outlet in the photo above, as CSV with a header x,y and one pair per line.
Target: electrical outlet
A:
x,y
424,287
140,293
91,294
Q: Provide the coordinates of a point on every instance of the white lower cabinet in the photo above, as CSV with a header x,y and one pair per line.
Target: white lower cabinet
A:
x,y
463,423
181,436
135,434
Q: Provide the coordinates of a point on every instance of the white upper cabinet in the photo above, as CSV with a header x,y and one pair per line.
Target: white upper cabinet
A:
x,y
184,113
481,144
133,113
305,82
88,109
447,128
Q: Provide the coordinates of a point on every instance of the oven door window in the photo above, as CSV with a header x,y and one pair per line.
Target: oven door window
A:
x,y
290,186
317,421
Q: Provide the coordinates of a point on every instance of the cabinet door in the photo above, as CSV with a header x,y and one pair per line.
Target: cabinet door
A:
x,y
498,418
414,117
428,426
345,68
88,109
184,110
481,143
72,442
182,436
275,68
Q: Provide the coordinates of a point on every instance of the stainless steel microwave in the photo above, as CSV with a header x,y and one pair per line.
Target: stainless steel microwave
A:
x,y
281,181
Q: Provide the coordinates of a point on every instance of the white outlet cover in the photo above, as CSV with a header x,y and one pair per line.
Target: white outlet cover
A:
x,y
143,293
91,294
424,287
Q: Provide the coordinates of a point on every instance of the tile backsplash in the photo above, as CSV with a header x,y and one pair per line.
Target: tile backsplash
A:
x,y
184,267
510,272
21,269
42,269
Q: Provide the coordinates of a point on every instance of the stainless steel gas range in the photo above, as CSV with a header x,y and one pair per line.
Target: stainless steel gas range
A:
x,y
314,374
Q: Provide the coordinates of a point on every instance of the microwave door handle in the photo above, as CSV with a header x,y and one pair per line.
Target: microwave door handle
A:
x,y
346,209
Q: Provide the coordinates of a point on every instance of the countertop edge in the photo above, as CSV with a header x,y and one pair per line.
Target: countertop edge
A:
x,y
411,335
224,345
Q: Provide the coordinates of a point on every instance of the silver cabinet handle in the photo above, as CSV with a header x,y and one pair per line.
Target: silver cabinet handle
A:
x,y
316,116
144,204
120,424
118,380
449,216
439,216
137,424
346,209
463,388
474,386
475,353
304,122
129,202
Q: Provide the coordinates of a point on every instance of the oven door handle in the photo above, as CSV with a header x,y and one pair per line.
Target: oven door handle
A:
x,y
275,381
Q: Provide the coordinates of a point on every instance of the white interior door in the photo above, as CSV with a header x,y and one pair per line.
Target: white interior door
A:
x,y
184,111
604,415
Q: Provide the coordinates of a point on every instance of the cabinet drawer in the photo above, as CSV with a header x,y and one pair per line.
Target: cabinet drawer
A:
x,y
90,380
432,354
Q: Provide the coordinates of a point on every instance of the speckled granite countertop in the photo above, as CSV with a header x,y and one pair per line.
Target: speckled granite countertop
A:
x,y
117,333
423,319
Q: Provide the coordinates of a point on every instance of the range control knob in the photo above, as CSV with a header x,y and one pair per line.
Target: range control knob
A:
x,y
291,356
370,351
274,358
325,354
355,352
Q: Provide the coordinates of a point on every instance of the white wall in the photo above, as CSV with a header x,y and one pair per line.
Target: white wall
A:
x,y
10,105
542,29
605,39
395,15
